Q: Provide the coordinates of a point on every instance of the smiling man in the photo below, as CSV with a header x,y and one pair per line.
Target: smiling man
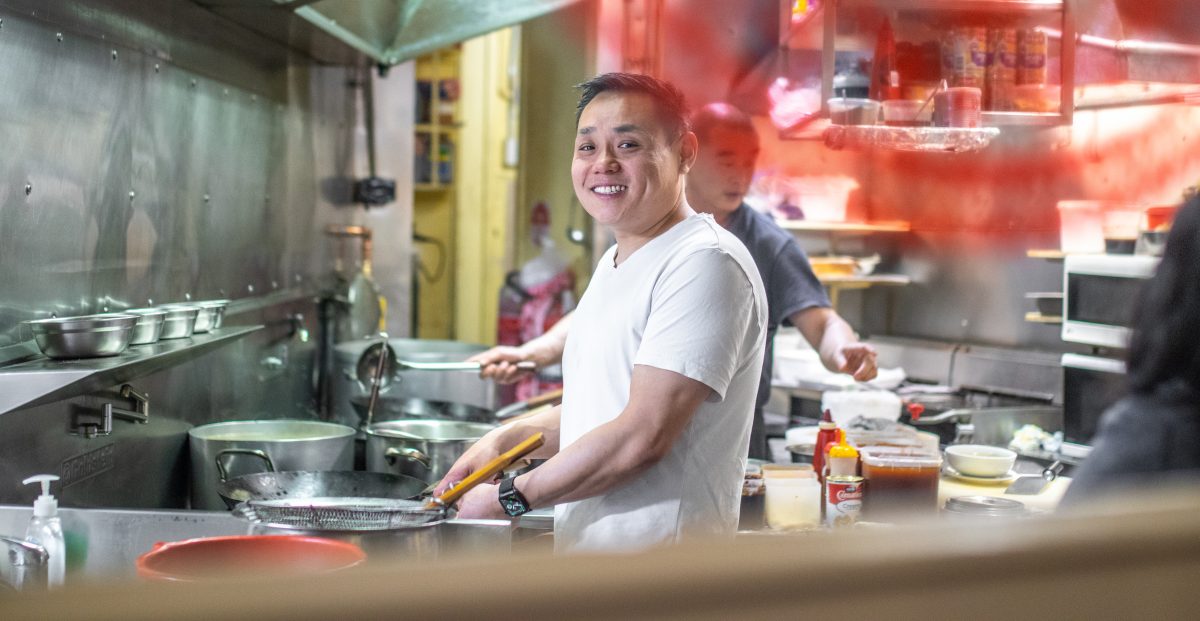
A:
x,y
662,362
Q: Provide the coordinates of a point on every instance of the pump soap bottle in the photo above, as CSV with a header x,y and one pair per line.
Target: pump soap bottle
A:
x,y
45,529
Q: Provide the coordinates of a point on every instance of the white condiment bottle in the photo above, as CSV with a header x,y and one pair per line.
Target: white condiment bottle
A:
x,y
45,529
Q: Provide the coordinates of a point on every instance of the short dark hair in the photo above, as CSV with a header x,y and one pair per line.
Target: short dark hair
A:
x,y
1165,344
668,99
720,114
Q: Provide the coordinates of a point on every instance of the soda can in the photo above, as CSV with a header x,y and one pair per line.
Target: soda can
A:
x,y
843,500
1031,52
1002,69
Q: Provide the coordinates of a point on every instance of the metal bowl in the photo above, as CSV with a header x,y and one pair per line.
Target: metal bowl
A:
x,y
179,322
149,326
212,312
86,336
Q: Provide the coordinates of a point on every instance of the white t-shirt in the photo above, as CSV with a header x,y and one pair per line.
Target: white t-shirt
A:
x,y
689,301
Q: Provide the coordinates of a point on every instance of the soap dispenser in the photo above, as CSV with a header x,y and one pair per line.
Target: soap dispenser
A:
x,y
45,529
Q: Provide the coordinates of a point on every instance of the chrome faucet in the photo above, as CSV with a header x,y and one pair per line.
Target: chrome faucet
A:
x,y
26,565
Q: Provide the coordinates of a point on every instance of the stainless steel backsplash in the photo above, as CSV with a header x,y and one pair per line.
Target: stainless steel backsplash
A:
x,y
153,153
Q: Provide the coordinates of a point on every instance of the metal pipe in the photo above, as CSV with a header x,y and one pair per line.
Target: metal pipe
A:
x,y
1128,46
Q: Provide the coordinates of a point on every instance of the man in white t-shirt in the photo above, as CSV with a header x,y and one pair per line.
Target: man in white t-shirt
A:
x,y
661,366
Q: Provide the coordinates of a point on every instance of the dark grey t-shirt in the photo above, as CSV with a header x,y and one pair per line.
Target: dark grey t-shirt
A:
x,y
791,287
1144,440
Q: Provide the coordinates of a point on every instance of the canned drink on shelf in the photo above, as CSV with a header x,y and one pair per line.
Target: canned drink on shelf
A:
x,y
1031,52
964,56
1002,70
843,500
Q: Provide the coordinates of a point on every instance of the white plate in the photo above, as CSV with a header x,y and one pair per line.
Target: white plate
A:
x,y
1000,480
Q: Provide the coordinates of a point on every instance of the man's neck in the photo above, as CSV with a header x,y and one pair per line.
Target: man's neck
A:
x,y
629,242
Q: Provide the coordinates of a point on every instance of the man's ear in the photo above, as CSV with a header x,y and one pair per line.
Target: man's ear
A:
x,y
689,146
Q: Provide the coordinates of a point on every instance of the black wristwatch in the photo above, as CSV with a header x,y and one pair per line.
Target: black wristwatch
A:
x,y
511,500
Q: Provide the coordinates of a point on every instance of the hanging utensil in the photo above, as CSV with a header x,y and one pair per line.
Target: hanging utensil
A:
x,y
369,514
377,379
368,364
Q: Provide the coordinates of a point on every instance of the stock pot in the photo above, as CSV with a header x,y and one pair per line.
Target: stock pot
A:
x,y
425,449
223,450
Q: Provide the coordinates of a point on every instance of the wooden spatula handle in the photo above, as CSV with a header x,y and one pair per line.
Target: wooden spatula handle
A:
x,y
491,469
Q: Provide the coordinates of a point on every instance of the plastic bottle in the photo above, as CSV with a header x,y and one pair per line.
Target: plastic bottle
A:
x,y
45,529
826,434
843,458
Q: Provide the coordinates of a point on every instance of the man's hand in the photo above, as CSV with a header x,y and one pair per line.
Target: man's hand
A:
x,y
502,439
859,360
835,341
482,503
500,363
475,458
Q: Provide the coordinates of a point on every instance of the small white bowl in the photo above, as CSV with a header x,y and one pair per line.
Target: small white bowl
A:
x,y
980,460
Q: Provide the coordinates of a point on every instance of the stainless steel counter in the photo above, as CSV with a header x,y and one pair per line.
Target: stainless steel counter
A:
x,y
105,543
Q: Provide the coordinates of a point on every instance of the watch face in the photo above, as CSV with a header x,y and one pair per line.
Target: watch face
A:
x,y
513,507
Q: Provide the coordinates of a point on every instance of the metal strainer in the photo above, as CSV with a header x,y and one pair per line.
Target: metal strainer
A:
x,y
345,514
370,514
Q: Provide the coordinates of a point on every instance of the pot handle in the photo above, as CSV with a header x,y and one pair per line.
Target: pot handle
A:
x,y
224,473
410,454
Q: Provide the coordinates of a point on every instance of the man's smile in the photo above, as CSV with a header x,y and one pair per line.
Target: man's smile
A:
x,y
609,190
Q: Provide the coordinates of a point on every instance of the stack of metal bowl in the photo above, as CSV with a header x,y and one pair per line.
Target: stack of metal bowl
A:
x,y
149,326
86,336
180,321
212,313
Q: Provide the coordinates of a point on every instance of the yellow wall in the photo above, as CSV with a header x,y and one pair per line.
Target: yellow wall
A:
x,y
434,216
485,217
556,52
486,188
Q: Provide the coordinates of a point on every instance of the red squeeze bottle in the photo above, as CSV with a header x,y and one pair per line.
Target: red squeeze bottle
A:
x,y
826,435
885,82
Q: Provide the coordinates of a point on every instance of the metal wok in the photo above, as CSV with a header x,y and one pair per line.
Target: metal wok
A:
x,y
318,484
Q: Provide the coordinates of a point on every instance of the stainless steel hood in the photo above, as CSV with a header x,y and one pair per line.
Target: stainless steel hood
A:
x,y
386,31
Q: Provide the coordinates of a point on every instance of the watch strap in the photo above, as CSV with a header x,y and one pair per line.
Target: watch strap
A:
x,y
511,499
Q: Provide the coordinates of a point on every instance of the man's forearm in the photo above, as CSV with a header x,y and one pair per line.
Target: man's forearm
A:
x,y
661,403
602,460
826,332
546,423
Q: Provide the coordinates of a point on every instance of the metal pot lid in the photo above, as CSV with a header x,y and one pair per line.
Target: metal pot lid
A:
x,y
986,506
284,430
430,430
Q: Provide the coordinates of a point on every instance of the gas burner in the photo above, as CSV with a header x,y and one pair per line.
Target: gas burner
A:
x,y
976,414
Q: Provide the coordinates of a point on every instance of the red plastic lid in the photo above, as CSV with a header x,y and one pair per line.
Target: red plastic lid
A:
x,y
213,558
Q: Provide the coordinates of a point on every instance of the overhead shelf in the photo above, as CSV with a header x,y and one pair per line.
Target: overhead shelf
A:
x,y
836,284
1036,317
1049,254
974,6
44,380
